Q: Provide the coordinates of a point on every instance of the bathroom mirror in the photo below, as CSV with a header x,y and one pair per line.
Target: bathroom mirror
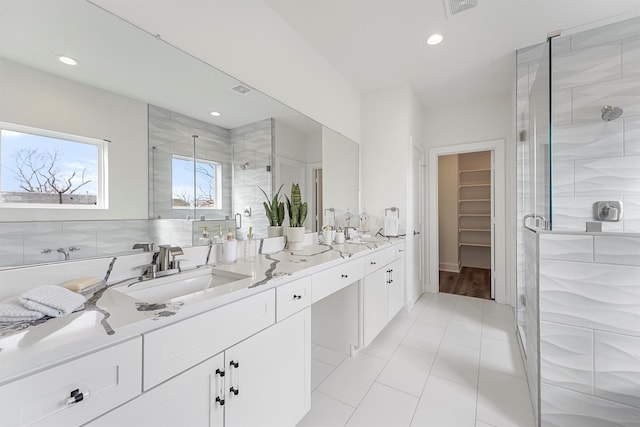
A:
x,y
124,74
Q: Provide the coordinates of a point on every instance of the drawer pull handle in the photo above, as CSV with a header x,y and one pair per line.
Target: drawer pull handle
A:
x,y
234,364
219,372
344,276
400,250
234,390
235,378
296,297
220,401
76,397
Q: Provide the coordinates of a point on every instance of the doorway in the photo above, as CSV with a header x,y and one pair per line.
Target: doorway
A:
x,y
465,207
497,217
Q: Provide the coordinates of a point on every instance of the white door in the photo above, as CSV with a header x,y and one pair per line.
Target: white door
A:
x,y
493,226
415,258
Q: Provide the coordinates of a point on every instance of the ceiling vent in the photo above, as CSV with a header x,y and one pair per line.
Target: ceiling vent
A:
x,y
457,6
241,89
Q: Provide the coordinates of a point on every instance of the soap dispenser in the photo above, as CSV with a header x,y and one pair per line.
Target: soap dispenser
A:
x,y
218,245
204,240
249,249
230,248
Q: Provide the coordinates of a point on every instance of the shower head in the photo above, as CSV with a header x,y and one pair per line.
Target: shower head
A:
x,y
610,113
244,166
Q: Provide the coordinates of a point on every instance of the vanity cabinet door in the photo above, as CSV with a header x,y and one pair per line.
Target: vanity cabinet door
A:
x,y
395,289
186,400
375,311
269,375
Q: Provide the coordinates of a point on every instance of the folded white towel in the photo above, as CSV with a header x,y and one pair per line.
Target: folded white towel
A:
x,y
54,301
12,311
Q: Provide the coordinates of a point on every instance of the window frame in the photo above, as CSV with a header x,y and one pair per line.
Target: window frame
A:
x,y
102,186
219,184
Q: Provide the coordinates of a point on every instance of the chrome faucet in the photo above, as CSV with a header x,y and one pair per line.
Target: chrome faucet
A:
x,y
167,257
146,247
67,252
347,235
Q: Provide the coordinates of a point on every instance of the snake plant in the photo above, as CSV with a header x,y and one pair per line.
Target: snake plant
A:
x,y
297,209
274,208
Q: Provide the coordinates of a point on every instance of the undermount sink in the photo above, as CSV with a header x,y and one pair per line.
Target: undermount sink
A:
x,y
182,285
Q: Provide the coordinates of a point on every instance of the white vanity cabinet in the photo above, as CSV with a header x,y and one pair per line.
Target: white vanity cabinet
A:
x,y
382,290
264,380
76,391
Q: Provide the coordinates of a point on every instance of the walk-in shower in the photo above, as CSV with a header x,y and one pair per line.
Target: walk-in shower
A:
x,y
578,292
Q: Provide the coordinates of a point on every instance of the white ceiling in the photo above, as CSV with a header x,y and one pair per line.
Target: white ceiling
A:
x,y
379,43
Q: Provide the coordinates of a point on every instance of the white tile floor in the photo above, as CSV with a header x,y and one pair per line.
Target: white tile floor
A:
x,y
453,361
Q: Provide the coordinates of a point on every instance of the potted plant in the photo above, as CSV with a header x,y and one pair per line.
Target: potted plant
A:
x,y
297,214
274,209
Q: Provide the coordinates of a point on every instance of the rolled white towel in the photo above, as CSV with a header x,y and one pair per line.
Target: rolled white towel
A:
x,y
54,301
12,311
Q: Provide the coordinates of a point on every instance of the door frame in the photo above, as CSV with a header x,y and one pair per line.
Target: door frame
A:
x,y
419,259
498,225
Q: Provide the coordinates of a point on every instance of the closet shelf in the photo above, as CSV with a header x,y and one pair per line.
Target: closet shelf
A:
x,y
477,245
474,170
474,200
474,185
474,214
474,229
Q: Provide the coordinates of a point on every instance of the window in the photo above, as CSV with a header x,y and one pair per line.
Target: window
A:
x,y
40,168
207,187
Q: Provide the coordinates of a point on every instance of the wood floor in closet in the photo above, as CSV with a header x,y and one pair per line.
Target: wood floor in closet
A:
x,y
471,282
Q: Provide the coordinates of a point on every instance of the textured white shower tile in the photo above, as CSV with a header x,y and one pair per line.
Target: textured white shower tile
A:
x,y
384,406
606,33
566,247
13,229
617,367
631,56
562,107
589,99
585,66
35,244
631,214
566,408
572,213
588,140
503,400
566,356
563,178
81,226
530,53
617,250
632,136
605,176
598,296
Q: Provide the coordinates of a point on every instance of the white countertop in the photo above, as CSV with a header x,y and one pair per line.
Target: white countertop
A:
x,y
26,347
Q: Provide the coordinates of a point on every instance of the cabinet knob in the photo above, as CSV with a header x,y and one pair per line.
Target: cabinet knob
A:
x,y
220,372
235,391
373,263
234,364
296,297
220,401
344,276
76,397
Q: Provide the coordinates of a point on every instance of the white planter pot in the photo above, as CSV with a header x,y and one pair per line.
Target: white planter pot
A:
x,y
274,231
295,238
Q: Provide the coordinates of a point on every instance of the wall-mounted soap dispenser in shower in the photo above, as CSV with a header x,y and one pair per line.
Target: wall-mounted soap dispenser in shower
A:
x,y
610,211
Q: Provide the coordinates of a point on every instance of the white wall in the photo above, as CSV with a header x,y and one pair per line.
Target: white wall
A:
x,y
249,41
41,100
448,212
481,120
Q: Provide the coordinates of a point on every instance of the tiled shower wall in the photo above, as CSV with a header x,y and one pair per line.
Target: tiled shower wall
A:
x,y
595,159
252,151
589,329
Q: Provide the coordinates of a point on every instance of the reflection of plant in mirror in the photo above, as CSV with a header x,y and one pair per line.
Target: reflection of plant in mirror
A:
x,y
274,209
297,209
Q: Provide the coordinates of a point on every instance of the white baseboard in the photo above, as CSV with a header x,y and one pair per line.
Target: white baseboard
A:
x,y
451,267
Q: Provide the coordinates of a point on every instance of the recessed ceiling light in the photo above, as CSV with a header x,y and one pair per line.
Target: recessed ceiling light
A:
x,y
434,39
67,60
215,114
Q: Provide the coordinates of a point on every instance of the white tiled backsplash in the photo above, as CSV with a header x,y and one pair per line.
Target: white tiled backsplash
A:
x,y
589,329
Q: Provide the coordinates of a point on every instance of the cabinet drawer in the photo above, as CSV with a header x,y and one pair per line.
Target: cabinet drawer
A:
x,y
399,249
293,297
106,379
176,348
332,280
379,259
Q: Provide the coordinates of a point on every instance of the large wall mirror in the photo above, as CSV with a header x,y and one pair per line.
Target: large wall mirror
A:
x,y
150,105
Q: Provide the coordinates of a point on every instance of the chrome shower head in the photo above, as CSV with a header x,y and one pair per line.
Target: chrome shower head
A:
x,y
610,113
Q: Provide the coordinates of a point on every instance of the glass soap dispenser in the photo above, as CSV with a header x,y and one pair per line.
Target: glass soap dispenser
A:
x,y
249,253
204,240
230,248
